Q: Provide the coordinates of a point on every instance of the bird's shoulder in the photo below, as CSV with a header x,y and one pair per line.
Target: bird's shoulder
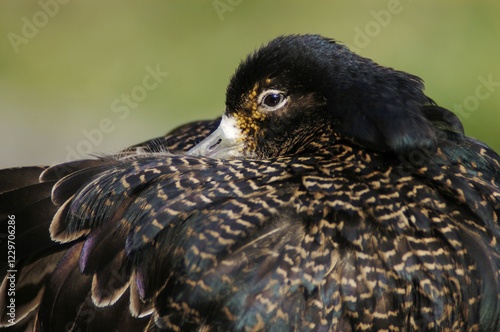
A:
x,y
227,216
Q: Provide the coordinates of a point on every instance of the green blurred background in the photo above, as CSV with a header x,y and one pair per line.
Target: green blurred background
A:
x,y
63,64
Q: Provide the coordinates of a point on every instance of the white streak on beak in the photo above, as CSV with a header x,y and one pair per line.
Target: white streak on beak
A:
x,y
228,127
223,143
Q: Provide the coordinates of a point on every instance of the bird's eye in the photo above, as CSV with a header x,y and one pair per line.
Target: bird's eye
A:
x,y
272,99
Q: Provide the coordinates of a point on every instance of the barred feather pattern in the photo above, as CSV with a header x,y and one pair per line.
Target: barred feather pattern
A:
x,y
356,204
345,240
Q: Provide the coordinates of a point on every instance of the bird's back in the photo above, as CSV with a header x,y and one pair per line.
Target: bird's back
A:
x,y
332,195
342,238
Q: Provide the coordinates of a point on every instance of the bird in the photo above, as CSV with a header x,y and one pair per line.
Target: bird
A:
x,y
331,195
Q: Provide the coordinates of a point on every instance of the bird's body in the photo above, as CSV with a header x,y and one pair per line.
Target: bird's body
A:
x,y
332,195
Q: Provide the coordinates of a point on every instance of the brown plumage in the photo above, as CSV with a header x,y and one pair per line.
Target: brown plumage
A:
x,y
332,195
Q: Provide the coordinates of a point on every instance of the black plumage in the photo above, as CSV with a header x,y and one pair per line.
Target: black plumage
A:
x,y
332,195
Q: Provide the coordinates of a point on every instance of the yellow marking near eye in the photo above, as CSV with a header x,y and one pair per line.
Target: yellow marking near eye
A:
x,y
248,119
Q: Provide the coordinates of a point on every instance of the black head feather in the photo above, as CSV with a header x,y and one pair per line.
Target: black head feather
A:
x,y
341,230
330,89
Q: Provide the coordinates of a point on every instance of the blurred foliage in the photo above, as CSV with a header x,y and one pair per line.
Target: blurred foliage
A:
x,y
80,57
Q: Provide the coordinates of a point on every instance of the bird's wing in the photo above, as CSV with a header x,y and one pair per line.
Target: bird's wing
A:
x,y
342,239
178,140
27,200
290,242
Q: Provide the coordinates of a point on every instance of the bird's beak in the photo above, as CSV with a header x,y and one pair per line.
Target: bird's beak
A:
x,y
223,143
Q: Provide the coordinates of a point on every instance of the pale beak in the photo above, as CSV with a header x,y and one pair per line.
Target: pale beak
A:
x,y
218,145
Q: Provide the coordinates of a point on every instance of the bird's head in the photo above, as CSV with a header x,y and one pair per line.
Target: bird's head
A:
x,y
298,87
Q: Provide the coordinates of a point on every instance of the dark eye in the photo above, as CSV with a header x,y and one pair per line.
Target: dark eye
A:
x,y
272,99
